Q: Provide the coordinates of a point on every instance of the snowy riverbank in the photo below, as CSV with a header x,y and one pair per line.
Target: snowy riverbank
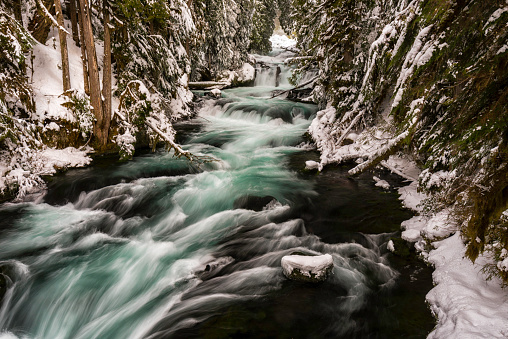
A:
x,y
465,303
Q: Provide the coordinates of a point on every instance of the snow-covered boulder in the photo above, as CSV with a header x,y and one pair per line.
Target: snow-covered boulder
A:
x,y
241,77
307,268
216,92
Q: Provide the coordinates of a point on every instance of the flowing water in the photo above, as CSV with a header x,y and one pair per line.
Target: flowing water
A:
x,y
160,248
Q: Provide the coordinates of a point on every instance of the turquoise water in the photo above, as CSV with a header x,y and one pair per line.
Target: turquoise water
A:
x,y
161,248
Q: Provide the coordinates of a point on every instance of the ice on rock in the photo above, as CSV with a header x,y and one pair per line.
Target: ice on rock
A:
x,y
307,268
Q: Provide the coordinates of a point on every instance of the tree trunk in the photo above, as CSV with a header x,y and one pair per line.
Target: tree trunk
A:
x,y
63,47
74,21
106,75
17,11
93,72
83,52
40,25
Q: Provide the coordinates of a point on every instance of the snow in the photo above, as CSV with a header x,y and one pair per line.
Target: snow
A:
x,y
311,164
466,305
216,92
282,41
54,159
381,183
419,55
494,17
245,74
307,265
25,169
390,246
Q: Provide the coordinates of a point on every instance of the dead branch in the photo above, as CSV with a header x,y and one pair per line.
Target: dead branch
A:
x,y
299,86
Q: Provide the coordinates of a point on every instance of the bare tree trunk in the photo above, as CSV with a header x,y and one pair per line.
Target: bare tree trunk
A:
x,y
93,72
40,25
63,47
84,61
17,11
74,21
106,75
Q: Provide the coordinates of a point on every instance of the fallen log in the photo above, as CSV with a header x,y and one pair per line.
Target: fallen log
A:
x,y
299,86
207,85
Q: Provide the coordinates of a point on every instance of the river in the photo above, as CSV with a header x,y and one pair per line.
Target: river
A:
x,y
161,248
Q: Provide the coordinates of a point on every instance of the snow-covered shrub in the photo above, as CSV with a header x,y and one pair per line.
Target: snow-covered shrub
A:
x,y
14,43
221,40
79,104
155,54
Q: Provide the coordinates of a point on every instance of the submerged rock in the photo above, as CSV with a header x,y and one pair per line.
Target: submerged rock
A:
x,y
250,202
307,268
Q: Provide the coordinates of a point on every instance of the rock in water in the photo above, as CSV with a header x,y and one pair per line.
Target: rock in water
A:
x,y
307,268
250,202
216,92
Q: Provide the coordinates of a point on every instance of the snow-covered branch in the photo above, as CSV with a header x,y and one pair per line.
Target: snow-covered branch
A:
x,y
49,16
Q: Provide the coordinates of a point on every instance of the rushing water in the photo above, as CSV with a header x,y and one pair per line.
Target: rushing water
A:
x,y
160,248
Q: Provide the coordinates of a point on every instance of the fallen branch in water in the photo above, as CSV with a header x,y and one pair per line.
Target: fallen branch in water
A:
x,y
299,86
179,151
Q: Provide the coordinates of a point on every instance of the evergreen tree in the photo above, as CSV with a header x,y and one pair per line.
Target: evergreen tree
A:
x,y
263,26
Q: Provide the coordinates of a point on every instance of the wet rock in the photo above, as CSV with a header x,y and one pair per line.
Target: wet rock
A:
x,y
307,268
250,202
300,95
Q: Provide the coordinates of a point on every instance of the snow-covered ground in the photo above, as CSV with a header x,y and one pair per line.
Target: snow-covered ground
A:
x,y
466,304
45,76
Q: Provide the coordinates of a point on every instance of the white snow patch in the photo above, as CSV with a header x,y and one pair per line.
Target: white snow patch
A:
x,y
381,183
307,265
311,164
282,41
52,159
465,303
390,246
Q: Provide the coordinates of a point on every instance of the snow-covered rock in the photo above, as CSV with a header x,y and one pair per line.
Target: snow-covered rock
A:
x,y
307,268
311,165
241,77
216,92
381,183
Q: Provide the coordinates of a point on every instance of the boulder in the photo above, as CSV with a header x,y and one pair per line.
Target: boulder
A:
x,y
307,268
250,202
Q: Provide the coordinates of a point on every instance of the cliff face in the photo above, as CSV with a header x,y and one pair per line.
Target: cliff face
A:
x,y
430,79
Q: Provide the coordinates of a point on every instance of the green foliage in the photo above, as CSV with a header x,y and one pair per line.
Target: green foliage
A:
x,y
148,44
263,26
14,43
79,104
221,41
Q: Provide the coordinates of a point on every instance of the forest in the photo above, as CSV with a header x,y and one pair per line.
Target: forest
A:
x,y
412,91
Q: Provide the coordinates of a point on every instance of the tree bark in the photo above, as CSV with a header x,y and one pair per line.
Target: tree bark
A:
x,y
74,21
17,11
106,75
40,25
84,60
100,131
66,79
